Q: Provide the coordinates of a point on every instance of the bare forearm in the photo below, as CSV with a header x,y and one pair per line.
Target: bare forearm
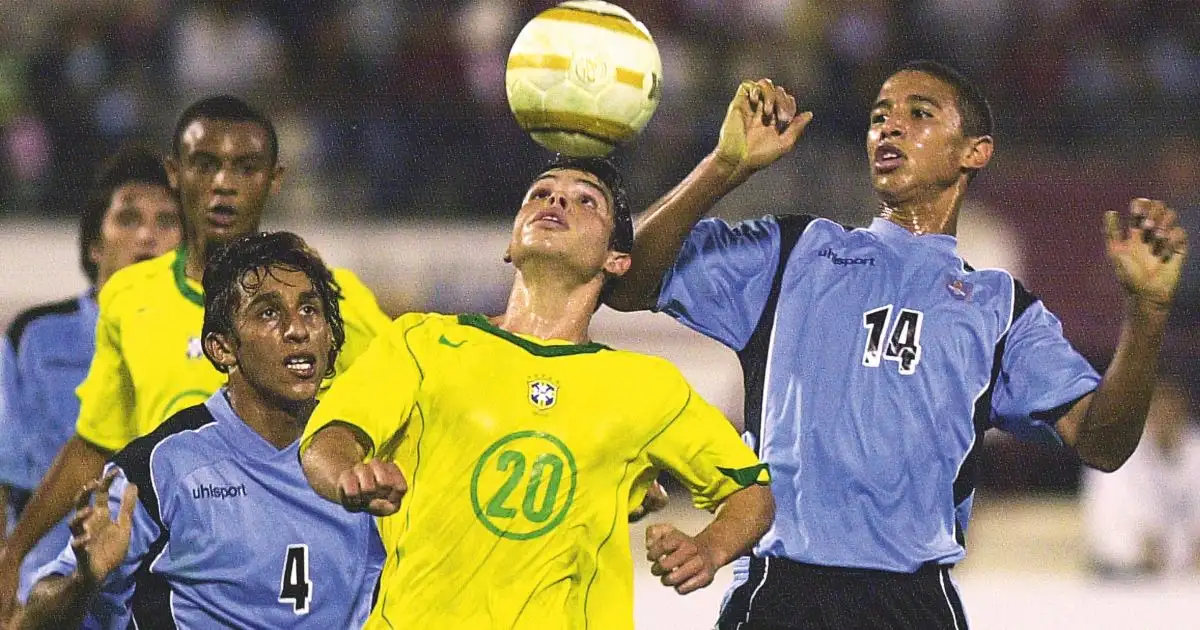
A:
x,y
57,602
741,520
1116,416
5,497
662,229
333,450
76,464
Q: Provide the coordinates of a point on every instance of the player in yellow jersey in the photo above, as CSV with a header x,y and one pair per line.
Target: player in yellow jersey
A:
x,y
149,362
523,446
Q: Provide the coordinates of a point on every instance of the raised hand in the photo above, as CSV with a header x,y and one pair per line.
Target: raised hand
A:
x,y
680,561
1149,256
373,486
760,126
99,542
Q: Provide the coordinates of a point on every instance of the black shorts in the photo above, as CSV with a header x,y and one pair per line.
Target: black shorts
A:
x,y
785,595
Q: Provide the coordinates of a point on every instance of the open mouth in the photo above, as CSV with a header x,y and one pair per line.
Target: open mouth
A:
x,y
550,218
303,365
888,158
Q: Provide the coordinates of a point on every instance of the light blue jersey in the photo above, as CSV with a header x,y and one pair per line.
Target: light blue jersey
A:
x,y
874,361
43,358
228,533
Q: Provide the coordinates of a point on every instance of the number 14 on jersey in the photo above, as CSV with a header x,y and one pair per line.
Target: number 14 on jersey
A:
x,y
904,342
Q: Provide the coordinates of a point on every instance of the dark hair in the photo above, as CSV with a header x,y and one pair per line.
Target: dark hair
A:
x,y
973,106
129,165
227,272
228,108
607,173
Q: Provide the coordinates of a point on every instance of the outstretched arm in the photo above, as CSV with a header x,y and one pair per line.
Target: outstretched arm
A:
x,y
689,563
760,126
1105,426
78,462
100,545
333,463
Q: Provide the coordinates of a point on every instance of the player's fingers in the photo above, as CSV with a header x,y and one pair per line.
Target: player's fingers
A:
x,y
767,91
742,100
695,583
76,524
383,507
684,572
100,494
366,479
1174,243
796,127
663,545
1112,226
683,554
391,476
128,501
348,488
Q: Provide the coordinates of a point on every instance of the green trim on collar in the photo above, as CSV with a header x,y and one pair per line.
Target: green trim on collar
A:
x,y
179,267
479,321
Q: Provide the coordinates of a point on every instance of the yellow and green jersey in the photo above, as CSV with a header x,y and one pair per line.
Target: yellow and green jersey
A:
x,y
149,362
524,458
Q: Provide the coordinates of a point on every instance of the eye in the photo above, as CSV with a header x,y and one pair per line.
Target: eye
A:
x,y
204,164
268,313
309,310
539,193
921,113
168,221
128,219
587,200
878,118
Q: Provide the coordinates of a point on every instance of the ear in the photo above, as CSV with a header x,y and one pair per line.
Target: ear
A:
x,y
172,167
507,255
276,179
221,350
978,153
617,264
94,251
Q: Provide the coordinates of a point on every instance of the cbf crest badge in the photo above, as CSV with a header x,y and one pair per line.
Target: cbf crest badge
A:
x,y
195,349
543,393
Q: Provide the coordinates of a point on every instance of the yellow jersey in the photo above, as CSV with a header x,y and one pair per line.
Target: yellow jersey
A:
x,y
524,458
149,362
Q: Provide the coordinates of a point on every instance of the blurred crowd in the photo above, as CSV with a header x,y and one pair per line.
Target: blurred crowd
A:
x,y
396,107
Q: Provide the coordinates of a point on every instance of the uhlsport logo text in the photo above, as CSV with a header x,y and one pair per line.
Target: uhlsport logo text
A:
x,y
838,260
210,491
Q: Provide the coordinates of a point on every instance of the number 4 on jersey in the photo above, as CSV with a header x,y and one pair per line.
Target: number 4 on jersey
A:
x,y
294,586
904,344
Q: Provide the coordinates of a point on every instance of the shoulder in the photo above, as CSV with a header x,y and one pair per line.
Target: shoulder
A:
x,y
180,438
29,319
1005,287
132,280
642,370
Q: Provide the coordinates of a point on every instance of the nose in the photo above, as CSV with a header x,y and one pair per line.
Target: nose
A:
x,y
295,329
146,235
892,128
223,181
558,199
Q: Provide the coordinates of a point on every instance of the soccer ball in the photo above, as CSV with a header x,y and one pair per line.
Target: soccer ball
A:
x,y
583,77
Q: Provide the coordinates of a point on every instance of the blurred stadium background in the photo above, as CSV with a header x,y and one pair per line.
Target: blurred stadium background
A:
x,y
404,165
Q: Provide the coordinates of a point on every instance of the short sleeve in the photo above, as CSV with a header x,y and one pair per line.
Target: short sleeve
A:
x,y
702,450
376,394
1040,373
362,316
106,417
110,608
722,277
14,466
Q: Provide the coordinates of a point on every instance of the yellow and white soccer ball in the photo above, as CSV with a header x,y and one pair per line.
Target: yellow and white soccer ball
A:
x,y
583,77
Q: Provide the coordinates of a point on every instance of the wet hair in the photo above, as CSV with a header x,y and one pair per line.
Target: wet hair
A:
x,y
132,164
227,108
243,264
972,105
607,173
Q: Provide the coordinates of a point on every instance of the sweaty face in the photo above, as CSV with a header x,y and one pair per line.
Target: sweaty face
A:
x,y
567,214
224,177
915,142
141,222
284,339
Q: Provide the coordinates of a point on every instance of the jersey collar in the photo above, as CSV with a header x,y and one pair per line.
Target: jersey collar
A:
x,y
243,438
179,267
541,350
889,231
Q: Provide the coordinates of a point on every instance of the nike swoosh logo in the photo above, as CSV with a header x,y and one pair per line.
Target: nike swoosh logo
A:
x,y
446,342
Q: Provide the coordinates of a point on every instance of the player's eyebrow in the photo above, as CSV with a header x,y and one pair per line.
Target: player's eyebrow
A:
x,y
920,98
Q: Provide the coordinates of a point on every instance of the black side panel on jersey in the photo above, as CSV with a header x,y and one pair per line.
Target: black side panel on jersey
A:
x,y
151,601
753,356
23,320
968,475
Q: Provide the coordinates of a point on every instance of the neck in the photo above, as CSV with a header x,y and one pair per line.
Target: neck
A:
x,y
927,215
278,422
197,255
550,306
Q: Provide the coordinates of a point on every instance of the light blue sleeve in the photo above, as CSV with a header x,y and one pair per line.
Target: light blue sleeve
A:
x,y
722,277
14,459
1040,373
111,608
